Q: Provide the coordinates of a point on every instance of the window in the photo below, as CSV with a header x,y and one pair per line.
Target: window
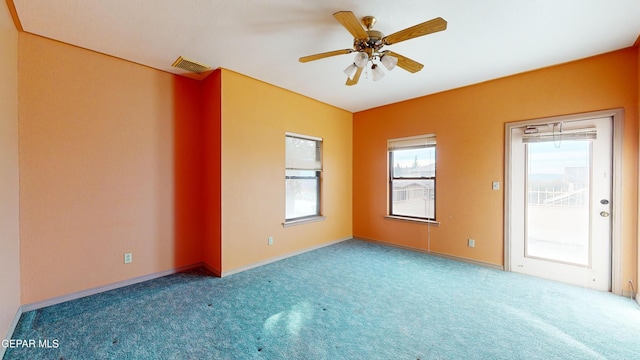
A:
x,y
412,177
303,176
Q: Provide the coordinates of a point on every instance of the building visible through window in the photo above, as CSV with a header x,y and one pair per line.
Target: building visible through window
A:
x,y
412,177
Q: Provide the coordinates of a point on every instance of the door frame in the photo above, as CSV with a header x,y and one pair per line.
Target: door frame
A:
x,y
617,116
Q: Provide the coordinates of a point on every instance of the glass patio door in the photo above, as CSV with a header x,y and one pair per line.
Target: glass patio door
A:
x,y
562,176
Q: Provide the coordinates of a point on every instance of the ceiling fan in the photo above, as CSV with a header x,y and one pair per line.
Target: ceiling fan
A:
x,y
368,45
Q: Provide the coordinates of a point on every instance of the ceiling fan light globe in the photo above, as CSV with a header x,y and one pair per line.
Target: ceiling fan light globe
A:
x,y
351,70
376,72
389,62
361,59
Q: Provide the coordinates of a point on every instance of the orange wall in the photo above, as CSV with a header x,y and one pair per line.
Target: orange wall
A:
x,y
98,139
188,160
129,159
116,157
211,194
9,229
255,118
638,242
469,124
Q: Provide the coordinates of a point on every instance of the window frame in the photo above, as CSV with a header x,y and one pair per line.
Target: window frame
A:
x,y
430,142
318,178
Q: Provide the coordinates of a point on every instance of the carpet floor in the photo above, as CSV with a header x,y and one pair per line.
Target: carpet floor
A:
x,y
351,300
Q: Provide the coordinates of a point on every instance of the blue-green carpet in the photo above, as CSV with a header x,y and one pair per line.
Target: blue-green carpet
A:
x,y
352,300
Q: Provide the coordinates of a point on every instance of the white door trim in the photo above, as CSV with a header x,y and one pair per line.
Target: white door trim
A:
x,y
617,116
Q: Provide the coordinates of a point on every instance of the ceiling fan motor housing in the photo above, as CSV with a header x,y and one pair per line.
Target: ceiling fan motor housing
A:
x,y
374,41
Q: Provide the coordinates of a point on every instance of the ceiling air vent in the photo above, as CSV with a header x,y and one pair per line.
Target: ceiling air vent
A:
x,y
190,65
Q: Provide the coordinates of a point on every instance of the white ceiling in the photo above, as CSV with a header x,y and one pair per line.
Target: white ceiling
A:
x,y
263,39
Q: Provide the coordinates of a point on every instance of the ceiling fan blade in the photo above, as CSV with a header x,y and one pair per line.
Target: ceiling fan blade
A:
x,y
404,62
324,55
427,27
351,23
355,79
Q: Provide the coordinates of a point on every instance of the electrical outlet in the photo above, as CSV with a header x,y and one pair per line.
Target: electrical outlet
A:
x,y
270,240
128,257
471,243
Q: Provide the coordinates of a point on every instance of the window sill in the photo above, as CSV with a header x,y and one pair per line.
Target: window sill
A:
x,y
422,221
303,221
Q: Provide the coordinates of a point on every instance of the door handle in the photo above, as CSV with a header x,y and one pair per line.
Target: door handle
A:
x,y
604,213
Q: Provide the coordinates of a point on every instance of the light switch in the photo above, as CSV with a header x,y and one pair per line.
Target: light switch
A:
x,y
495,185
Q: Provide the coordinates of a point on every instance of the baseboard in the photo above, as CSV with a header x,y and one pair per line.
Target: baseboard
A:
x,y
112,286
441,255
213,270
467,260
12,329
119,284
139,279
282,257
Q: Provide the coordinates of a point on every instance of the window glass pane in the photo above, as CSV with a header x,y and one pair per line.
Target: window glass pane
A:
x,y
302,153
302,195
303,170
414,198
414,162
558,201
